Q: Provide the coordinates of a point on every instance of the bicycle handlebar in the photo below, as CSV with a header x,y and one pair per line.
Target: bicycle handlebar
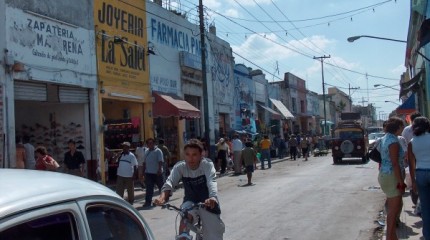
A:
x,y
172,207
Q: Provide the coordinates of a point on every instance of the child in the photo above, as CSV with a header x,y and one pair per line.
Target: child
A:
x,y
249,160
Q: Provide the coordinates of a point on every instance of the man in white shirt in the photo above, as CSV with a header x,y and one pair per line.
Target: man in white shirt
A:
x,y
127,164
140,154
237,151
30,161
407,133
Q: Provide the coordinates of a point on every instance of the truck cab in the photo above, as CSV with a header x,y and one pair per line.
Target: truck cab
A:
x,y
349,141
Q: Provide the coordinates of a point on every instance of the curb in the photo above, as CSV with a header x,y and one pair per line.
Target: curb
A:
x,y
411,224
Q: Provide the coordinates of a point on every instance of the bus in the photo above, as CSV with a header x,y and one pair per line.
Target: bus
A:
x,y
374,130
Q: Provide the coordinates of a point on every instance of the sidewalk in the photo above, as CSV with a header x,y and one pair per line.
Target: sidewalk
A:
x,y
411,226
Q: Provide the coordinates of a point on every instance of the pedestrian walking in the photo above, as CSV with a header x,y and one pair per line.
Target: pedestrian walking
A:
x,y
153,168
275,145
281,148
265,145
140,152
223,151
237,152
74,160
127,166
293,147
30,160
166,156
249,160
419,168
304,145
298,139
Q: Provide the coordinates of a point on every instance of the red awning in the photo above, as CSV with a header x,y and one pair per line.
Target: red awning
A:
x,y
170,105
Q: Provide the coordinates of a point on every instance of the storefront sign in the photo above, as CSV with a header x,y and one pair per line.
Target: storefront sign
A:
x,y
164,84
121,40
41,41
174,36
190,60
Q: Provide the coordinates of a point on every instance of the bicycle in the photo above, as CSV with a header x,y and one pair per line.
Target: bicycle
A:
x,y
189,221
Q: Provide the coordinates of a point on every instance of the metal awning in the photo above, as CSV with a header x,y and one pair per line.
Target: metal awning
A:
x,y
411,85
273,112
170,105
282,108
408,106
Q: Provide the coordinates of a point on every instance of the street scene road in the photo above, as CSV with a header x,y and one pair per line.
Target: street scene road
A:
x,y
293,200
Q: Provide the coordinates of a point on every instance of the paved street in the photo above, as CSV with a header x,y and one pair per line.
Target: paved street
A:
x,y
293,200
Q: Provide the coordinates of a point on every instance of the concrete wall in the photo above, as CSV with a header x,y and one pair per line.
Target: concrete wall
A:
x,y
2,82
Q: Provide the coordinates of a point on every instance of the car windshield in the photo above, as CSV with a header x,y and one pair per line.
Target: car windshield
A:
x,y
349,134
374,136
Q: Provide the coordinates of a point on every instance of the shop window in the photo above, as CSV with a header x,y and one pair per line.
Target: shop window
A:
x,y
56,226
108,222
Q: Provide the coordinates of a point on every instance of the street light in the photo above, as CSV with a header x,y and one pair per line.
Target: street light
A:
x,y
380,115
392,102
379,85
352,39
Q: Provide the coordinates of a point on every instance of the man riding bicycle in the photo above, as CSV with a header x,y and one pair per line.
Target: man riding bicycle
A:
x,y
198,177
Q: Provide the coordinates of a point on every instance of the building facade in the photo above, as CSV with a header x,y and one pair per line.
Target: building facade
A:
x,y
50,79
125,101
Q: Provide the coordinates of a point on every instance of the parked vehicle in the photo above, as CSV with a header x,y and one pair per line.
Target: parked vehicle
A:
x,y
349,141
373,137
50,205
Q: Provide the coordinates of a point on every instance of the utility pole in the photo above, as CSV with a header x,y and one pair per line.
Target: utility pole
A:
x,y
204,78
323,85
362,110
349,94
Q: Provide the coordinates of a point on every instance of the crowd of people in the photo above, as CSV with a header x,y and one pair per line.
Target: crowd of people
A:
x,y
29,157
405,150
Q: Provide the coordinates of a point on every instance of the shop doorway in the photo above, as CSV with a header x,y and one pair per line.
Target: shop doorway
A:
x,y
167,129
52,125
122,122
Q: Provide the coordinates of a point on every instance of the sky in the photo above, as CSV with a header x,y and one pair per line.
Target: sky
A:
x,y
279,36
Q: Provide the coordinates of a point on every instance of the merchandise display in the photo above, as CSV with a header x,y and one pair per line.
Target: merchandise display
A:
x,y
119,131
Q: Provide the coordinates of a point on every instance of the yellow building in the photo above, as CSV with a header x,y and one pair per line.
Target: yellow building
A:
x,y
125,102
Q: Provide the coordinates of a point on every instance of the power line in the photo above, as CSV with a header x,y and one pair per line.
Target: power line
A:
x,y
370,7
303,54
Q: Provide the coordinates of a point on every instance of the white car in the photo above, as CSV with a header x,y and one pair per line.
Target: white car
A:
x,y
48,205
373,137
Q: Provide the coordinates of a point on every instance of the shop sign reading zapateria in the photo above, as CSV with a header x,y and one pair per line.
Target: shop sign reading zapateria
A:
x,y
40,41
121,39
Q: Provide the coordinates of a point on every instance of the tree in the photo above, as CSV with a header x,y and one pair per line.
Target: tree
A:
x,y
341,106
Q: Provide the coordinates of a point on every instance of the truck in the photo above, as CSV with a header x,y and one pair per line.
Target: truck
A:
x,y
349,139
